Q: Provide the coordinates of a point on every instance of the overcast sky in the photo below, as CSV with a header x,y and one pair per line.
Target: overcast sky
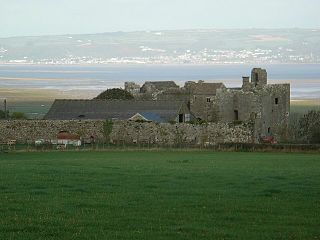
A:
x,y
42,17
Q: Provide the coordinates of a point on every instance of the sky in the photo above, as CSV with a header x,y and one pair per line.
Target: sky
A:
x,y
51,17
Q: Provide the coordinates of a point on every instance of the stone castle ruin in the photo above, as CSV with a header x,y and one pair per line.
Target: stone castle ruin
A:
x,y
199,113
265,106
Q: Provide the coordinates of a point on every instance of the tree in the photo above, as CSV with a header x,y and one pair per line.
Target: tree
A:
x,y
115,94
294,133
310,127
107,129
3,115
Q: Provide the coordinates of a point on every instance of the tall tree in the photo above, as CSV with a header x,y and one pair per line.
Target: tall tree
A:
x,y
310,127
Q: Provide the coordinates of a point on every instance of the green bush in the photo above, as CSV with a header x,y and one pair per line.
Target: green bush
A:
x,y
107,128
310,127
3,115
18,115
115,94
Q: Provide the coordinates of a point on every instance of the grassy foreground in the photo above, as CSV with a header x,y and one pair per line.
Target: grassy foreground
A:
x,y
159,195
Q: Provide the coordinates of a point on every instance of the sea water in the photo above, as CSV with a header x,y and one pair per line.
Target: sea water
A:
x,y
304,78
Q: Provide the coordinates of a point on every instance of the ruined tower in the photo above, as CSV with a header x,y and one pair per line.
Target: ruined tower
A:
x,y
259,77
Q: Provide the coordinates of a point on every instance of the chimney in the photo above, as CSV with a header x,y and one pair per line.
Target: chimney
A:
x,y
245,83
245,80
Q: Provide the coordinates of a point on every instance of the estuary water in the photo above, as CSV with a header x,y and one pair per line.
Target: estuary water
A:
x,y
304,78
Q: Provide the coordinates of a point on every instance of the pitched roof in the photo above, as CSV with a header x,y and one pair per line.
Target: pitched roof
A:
x,y
112,109
147,116
151,116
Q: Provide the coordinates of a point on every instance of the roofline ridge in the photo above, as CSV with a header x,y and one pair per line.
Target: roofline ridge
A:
x,y
117,100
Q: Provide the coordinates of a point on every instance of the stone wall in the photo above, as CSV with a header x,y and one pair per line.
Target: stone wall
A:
x,y
183,133
29,130
128,132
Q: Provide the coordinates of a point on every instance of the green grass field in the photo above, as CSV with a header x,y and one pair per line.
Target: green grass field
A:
x,y
303,106
159,195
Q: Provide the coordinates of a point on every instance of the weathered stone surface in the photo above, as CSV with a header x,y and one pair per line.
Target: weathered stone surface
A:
x,y
29,130
170,134
128,132
266,105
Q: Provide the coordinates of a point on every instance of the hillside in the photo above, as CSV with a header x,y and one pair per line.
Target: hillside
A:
x,y
168,47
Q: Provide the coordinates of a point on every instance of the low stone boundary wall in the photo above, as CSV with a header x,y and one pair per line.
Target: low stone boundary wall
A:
x,y
182,133
29,130
127,132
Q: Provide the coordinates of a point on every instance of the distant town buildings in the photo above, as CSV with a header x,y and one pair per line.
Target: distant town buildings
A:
x,y
204,56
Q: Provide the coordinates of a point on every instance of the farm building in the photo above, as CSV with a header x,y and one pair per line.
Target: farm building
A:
x,y
265,106
155,111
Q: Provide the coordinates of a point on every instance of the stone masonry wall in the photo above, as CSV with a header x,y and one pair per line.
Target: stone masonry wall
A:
x,y
29,130
182,133
127,132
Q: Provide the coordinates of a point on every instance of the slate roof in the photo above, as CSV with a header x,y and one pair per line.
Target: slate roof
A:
x,y
151,116
112,109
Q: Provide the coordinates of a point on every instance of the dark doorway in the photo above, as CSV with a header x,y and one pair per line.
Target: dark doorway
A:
x,y
276,101
236,115
180,118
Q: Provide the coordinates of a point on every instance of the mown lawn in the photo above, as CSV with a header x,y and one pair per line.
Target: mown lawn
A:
x,y
159,195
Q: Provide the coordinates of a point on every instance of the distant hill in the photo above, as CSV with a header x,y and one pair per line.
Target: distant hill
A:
x,y
181,46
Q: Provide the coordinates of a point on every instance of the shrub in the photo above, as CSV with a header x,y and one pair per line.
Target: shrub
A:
x,y
107,128
115,94
18,115
310,127
3,115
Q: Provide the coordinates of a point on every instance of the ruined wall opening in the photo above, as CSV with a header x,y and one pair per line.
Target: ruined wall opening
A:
x,y
276,101
187,117
256,76
236,115
180,118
